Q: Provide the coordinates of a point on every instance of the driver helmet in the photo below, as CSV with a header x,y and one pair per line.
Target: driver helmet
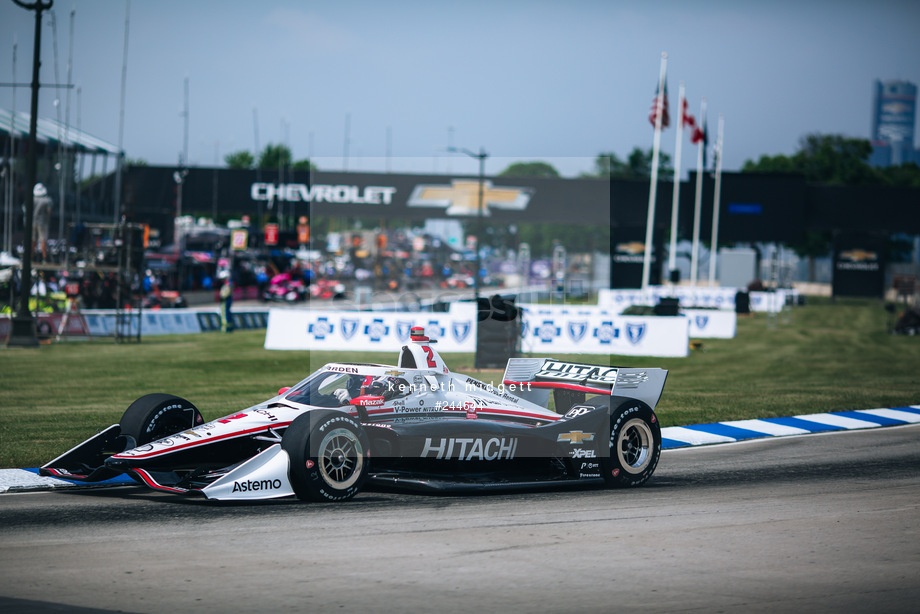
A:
x,y
388,387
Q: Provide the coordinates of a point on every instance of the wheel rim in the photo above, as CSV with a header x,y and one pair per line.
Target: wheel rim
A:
x,y
341,458
634,446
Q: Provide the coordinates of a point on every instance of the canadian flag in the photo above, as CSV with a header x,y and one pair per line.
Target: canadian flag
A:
x,y
696,133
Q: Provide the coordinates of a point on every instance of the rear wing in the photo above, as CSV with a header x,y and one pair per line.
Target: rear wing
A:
x,y
533,379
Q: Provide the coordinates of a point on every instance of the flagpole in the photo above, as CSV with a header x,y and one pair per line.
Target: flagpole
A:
x,y
672,250
653,188
695,253
715,205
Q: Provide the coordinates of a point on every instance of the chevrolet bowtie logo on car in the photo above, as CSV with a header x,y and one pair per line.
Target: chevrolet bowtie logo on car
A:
x,y
858,255
461,197
575,437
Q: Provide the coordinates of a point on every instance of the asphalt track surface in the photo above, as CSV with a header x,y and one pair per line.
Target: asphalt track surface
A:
x,y
817,523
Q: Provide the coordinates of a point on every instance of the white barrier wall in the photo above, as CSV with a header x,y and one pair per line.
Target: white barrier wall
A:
x,y
721,298
313,329
712,323
590,330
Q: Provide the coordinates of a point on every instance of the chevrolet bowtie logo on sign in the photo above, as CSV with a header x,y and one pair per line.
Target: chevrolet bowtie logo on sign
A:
x,y
575,437
858,255
461,197
896,108
632,248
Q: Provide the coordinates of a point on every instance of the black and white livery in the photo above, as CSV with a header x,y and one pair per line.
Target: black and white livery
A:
x,y
413,426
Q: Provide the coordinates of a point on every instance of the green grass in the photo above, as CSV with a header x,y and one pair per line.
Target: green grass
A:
x,y
821,357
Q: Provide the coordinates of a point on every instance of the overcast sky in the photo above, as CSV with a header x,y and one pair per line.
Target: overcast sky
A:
x,y
559,81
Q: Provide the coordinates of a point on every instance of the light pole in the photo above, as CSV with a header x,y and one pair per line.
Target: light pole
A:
x,y
22,326
481,156
179,177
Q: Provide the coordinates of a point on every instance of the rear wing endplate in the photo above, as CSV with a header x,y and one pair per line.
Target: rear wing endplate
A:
x,y
542,375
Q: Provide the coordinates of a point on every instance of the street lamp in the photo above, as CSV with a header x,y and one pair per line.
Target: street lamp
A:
x,y
481,156
22,325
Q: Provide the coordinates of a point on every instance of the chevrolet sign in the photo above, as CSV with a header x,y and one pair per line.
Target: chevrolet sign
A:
x,y
340,194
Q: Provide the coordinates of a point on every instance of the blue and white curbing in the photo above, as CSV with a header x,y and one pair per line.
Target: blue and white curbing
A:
x,y
672,437
742,430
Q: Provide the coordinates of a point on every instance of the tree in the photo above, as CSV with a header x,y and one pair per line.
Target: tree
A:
x,y
275,156
530,169
638,165
239,159
824,158
602,164
772,164
905,176
303,165
836,160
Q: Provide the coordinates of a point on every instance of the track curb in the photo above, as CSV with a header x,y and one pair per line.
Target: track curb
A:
x,y
673,437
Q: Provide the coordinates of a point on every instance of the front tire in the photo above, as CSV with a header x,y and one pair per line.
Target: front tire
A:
x,y
329,455
158,415
635,445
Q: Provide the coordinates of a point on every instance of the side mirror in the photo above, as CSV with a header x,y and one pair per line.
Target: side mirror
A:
x,y
283,389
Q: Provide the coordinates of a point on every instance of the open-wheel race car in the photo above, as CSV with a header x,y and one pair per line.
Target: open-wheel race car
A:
x,y
414,426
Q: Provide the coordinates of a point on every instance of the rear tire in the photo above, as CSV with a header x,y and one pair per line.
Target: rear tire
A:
x,y
329,455
158,415
635,445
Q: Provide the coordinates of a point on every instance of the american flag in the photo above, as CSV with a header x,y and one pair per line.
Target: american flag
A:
x,y
665,117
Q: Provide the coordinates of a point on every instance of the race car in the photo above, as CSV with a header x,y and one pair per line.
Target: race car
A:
x,y
414,426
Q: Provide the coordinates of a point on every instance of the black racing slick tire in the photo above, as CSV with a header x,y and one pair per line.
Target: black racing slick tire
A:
x,y
635,445
158,415
329,455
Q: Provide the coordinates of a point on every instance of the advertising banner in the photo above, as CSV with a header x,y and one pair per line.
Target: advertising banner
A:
x,y
720,298
859,265
712,323
589,330
329,329
101,322
627,256
50,324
